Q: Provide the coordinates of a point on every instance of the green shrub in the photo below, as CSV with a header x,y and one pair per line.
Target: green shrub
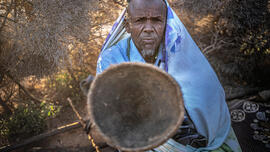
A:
x,y
27,121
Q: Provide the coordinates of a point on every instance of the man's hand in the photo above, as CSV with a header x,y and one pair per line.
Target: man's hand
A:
x,y
86,83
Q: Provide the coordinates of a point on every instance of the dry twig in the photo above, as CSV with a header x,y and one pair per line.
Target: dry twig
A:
x,y
83,123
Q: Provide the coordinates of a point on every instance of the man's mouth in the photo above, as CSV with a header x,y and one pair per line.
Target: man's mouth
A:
x,y
148,41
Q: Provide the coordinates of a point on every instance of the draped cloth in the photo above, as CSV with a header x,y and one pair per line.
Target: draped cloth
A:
x,y
204,97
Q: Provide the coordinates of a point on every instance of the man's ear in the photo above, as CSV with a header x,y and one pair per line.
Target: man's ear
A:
x,y
127,25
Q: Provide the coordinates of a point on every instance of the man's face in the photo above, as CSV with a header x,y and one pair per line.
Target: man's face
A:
x,y
146,23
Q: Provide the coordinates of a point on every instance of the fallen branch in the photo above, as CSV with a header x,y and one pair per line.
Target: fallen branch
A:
x,y
62,129
59,130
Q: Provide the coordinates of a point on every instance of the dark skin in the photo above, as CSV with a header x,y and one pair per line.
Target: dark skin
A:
x,y
146,24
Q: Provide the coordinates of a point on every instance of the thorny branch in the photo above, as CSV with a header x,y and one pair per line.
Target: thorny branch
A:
x,y
24,89
8,19
216,43
6,16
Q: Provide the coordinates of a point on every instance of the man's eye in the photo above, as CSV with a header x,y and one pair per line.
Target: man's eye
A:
x,y
139,20
157,19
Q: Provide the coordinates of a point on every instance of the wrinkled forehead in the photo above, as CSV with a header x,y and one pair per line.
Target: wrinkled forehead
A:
x,y
147,7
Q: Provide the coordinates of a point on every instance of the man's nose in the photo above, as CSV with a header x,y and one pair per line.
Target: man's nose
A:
x,y
148,27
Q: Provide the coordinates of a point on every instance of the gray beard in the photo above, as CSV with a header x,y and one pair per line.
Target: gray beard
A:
x,y
148,53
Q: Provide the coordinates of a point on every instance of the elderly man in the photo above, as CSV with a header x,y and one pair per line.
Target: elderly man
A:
x,y
157,36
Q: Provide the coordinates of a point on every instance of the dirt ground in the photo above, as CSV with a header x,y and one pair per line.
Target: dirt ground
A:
x,y
74,140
